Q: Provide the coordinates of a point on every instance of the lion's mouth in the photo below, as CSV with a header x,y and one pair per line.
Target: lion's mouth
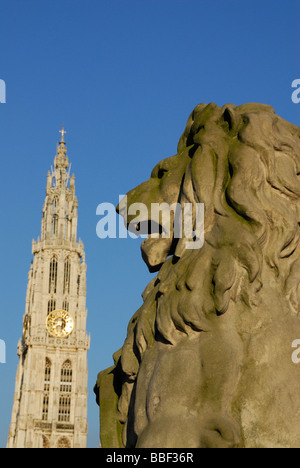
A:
x,y
158,233
147,228
157,245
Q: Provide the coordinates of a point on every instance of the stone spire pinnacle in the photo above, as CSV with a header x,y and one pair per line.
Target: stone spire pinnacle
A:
x,y
60,208
62,131
61,159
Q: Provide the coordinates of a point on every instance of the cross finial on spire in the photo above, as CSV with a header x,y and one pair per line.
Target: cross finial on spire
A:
x,y
61,159
62,134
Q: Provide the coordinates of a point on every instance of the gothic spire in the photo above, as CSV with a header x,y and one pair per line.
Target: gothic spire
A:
x,y
62,131
53,348
61,159
60,208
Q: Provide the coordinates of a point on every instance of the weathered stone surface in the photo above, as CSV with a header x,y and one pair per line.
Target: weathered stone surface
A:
x,y
207,361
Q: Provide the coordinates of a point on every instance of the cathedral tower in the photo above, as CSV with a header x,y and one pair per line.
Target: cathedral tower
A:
x,y
50,401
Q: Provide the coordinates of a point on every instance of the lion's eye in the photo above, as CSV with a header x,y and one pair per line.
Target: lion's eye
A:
x,y
161,172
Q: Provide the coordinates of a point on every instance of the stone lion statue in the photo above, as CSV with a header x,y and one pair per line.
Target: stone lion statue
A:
x,y
207,361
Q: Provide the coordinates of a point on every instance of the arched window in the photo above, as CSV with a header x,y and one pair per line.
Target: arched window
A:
x,y
67,276
67,220
51,305
47,377
66,377
66,227
54,205
54,225
53,276
54,222
47,370
65,306
63,442
64,409
46,443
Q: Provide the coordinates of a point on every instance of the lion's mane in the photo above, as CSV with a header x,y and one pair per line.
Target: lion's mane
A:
x,y
244,166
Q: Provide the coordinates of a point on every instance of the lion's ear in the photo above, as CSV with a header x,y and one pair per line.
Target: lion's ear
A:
x,y
230,118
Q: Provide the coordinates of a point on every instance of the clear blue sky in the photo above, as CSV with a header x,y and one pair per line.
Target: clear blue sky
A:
x,y
123,77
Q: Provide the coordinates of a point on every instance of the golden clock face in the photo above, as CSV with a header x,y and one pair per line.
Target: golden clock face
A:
x,y
60,323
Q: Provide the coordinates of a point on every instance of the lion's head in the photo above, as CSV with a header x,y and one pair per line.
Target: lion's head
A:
x,y
243,164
